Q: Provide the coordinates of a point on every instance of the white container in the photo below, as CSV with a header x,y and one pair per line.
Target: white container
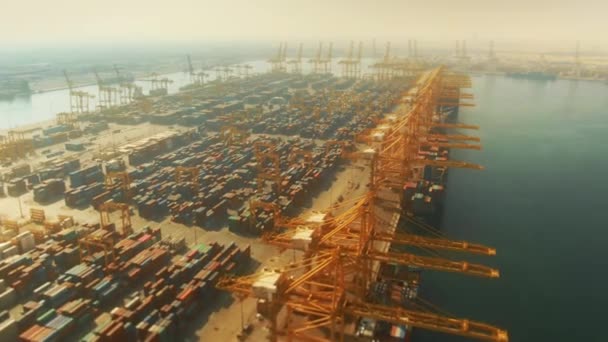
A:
x,y
4,245
9,252
26,242
265,287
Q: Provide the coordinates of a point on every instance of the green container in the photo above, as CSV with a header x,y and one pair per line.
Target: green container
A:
x,y
46,317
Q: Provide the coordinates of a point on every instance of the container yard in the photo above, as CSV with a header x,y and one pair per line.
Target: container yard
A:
x,y
137,220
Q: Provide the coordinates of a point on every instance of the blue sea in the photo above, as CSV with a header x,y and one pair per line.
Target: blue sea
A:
x,y
542,201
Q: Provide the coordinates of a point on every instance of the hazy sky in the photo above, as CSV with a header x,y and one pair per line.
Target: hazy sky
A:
x,y
30,21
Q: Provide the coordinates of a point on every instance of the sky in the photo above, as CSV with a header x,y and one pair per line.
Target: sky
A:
x,y
57,21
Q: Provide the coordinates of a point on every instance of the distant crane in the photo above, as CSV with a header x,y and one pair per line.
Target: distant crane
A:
x,y
246,68
351,65
160,86
79,100
277,63
317,61
296,64
197,78
128,90
108,96
328,60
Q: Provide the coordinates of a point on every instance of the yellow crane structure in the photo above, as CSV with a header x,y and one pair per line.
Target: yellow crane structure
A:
x,y
68,119
128,91
108,96
327,61
125,182
351,65
105,209
232,134
277,63
384,68
159,86
296,63
317,287
354,231
16,144
88,245
255,205
317,61
197,78
79,100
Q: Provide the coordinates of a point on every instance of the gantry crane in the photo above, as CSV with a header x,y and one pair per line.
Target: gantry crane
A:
x,y
232,134
385,67
277,63
105,209
79,100
327,61
89,244
159,86
246,68
68,119
355,229
108,96
317,60
351,65
125,182
317,287
16,145
129,91
296,63
255,205
343,251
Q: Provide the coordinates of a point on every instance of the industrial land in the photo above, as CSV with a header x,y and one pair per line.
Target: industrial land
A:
x,y
282,205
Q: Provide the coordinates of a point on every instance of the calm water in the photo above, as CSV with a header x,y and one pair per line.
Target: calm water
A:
x,y
542,202
45,106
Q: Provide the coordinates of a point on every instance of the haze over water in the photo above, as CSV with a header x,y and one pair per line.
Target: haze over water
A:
x,y
541,202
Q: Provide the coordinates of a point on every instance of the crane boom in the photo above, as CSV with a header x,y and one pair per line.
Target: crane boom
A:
x,y
438,264
434,243
429,321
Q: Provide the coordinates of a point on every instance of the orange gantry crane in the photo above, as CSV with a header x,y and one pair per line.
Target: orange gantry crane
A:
x,y
105,209
343,251
355,230
317,287
90,244
125,182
